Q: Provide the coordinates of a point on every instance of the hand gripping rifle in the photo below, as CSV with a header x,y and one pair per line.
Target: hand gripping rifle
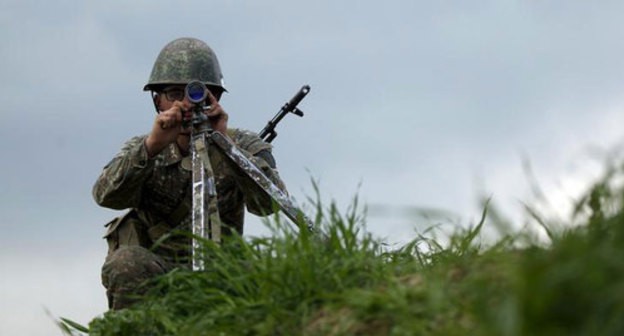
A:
x,y
206,223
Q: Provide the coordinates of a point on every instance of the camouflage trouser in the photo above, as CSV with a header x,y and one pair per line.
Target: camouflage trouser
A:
x,y
125,272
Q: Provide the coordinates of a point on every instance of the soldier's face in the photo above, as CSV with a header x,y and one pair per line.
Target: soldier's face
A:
x,y
174,93
167,96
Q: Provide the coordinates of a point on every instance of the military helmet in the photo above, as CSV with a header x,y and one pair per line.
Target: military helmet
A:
x,y
184,60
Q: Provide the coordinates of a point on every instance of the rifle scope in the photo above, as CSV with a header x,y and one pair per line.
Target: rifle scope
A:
x,y
196,92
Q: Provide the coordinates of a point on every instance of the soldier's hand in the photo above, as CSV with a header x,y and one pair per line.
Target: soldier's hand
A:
x,y
216,115
167,126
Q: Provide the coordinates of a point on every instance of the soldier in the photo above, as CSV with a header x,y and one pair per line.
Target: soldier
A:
x,y
151,176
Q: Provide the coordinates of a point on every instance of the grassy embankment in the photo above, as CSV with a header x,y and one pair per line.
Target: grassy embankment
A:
x,y
348,283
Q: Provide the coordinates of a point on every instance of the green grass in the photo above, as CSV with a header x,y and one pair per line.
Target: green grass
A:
x,y
343,281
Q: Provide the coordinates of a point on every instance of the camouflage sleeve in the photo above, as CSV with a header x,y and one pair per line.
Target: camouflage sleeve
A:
x,y
260,153
119,186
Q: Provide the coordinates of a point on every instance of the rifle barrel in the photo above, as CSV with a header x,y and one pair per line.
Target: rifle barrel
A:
x,y
268,132
298,97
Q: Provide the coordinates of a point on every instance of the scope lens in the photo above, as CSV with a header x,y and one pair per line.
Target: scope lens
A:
x,y
196,92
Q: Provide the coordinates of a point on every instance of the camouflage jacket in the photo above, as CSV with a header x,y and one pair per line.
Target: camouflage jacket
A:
x,y
158,189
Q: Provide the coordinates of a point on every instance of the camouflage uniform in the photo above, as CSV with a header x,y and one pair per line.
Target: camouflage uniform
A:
x,y
158,192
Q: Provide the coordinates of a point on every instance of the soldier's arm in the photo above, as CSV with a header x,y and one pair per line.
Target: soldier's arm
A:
x,y
120,184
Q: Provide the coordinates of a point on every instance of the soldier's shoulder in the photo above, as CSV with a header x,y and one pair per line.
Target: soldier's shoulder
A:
x,y
243,134
137,139
248,140
133,143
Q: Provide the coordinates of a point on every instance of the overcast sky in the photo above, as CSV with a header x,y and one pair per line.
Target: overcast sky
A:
x,y
413,104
